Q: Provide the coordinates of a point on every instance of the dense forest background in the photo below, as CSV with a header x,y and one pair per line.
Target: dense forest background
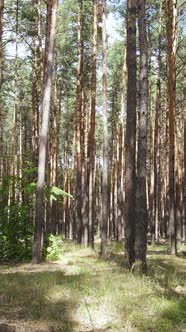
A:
x,y
115,154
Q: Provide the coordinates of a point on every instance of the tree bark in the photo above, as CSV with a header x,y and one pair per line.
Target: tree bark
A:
x,y
184,235
1,35
35,105
141,198
39,29
37,246
91,139
130,140
54,151
104,221
1,81
121,154
78,126
84,140
15,143
155,221
171,105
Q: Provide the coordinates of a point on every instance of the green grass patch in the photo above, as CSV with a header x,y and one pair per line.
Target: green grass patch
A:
x,y
83,292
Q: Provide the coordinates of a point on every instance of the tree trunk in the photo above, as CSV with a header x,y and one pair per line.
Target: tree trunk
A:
x,y
1,35
184,235
53,160
171,105
84,140
121,135
178,200
141,198
130,140
35,106
1,108
91,139
39,29
104,221
78,127
37,246
15,143
120,184
150,144
155,221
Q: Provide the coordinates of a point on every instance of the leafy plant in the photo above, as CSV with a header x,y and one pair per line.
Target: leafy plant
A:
x,y
51,193
54,248
15,233
55,193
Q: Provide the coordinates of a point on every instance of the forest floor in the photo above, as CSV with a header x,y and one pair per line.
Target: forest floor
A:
x,y
82,292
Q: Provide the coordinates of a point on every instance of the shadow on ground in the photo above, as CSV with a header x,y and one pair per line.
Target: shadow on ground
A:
x,y
87,285
39,296
166,274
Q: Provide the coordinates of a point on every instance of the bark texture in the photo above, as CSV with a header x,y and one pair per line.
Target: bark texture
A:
x,y
130,140
171,106
184,235
51,28
104,221
91,139
1,110
155,214
141,202
78,126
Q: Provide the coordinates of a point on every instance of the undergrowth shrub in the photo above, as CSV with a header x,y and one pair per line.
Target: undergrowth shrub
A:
x,y
54,247
15,233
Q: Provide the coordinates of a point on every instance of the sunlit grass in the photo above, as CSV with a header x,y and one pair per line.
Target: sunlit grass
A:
x,y
83,292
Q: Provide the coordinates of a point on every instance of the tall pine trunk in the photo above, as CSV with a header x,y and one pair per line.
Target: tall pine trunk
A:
x,y
84,140
171,106
184,235
121,154
53,154
1,35
39,30
78,126
14,161
155,221
51,28
1,107
35,105
104,220
91,139
130,140
141,199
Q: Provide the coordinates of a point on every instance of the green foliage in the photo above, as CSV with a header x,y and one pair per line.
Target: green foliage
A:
x,y
5,184
15,233
16,220
54,249
16,226
55,193
30,188
51,193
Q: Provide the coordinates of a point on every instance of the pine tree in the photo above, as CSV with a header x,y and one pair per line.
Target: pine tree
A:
x,y
104,221
141,203
184,145
171,106
51,26
1,106
130,139
91,136
79,107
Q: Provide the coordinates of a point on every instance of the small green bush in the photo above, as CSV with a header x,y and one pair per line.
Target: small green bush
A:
x,y
15,233
54,249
